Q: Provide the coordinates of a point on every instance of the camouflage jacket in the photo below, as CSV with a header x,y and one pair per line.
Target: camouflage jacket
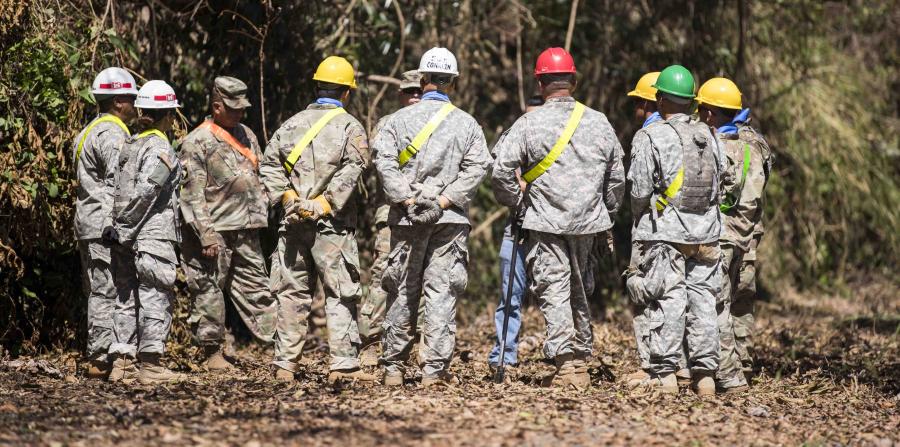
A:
x,y
451,163
373,184
331,165
95,170
745,219
656,157
221,190
582,190
146,199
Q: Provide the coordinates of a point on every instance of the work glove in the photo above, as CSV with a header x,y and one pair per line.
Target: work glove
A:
x,y
314,209
291,203
634,282
426,212
110,235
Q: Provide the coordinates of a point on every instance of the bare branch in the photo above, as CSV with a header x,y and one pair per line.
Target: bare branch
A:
x,y
572,14
246,20
383,79
397,64
342,22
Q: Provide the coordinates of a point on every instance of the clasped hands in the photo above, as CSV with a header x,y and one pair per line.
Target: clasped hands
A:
x,y
299,210
425,209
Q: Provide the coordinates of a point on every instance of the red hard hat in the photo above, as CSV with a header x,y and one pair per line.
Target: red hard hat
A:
x,y
554,60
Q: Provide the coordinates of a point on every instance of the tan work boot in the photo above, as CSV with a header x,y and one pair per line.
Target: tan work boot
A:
x,y
735,389
684,376
442,378
561,361
283,375
636,378
215,360
704,385
98,369
152,371
350,375
667,383
393,379
369,355
123,370
571,371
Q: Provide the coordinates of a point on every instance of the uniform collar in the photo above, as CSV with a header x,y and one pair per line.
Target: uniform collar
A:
x,y
559,99
683,117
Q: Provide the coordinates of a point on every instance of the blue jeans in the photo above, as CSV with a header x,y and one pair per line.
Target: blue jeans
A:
x,y
515,310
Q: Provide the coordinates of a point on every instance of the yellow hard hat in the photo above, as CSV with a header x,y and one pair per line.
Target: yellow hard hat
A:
x,y
336,70
644,88
720,92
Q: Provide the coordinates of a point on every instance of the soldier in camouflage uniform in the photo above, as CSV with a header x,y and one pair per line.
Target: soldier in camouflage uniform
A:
x,y
145,229
429,180
675,172
371,314
96,152
312,166
645,112
569,204
224,206
749,162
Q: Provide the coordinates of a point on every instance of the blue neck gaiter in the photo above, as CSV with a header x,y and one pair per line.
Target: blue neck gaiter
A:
x,y
436,96
334,102
651,119
740,118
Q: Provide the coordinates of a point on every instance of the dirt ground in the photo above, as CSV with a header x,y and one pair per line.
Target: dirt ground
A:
x,y
828,372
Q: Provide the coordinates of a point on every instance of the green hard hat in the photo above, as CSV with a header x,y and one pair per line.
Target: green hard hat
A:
x,y
676,80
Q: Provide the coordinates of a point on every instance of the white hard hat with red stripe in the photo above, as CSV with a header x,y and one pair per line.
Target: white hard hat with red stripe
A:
x,y
114,81
156,95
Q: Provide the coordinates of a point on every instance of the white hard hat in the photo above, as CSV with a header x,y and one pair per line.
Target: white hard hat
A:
x,y
114,81
438,60
156,95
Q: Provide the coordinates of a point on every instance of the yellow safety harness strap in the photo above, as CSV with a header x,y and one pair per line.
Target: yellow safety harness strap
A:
x,y
309,136
102,119
156,132
670,192
424,134
561,144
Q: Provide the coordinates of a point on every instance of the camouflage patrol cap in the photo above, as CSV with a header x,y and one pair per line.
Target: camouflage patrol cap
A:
x,y
233,92
410,79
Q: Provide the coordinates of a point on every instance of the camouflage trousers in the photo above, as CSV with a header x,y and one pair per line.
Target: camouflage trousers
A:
x,y
742,305
429,261
307,252
561,275
374,304
678,284
100,290
730,374
639,323
371,313
241,270
144,274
